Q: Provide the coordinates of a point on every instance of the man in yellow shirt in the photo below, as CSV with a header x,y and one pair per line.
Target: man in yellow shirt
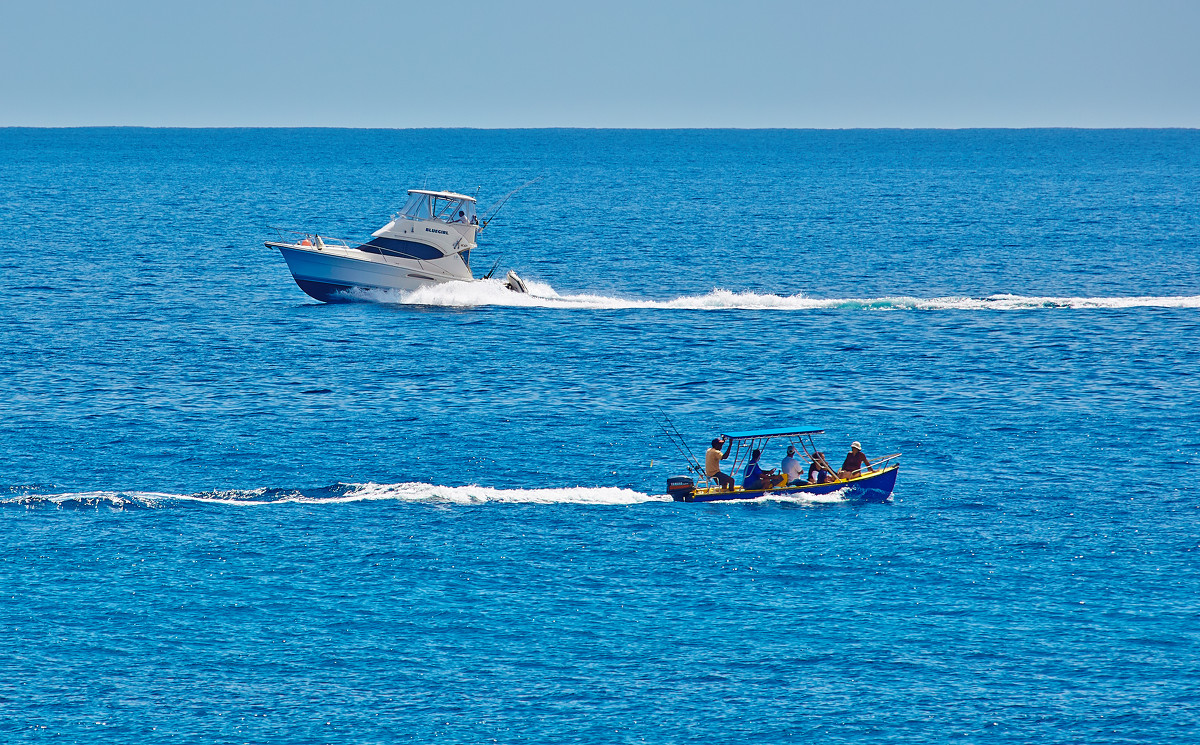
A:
x,y
712,464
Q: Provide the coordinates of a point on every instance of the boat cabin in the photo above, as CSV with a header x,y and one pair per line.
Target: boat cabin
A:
x,y
439,205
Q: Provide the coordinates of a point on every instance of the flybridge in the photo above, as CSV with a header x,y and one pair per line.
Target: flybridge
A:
x,y
446,206
443,194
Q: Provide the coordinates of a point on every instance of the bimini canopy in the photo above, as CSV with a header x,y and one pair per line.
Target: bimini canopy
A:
x,y
439,205
785,432
442,194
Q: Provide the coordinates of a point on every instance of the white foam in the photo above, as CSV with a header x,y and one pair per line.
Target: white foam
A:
x,y
404,492
841,495
117,499
415,492
491,292
418,492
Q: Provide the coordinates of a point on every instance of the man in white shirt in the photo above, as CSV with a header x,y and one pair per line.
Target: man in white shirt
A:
x,y
791,468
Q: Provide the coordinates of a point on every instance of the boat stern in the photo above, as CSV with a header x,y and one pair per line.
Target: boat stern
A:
x,y
681,488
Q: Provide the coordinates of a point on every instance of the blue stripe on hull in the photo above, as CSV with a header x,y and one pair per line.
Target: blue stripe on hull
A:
x,y
323,291
403,249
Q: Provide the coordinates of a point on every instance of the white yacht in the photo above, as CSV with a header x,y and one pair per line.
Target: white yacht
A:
x,y
428,242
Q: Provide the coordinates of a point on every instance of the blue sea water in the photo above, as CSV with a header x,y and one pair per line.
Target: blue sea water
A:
x,y
233,514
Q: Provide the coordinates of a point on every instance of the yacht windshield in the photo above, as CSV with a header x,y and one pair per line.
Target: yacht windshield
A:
x,y
427,207
417,207
453,210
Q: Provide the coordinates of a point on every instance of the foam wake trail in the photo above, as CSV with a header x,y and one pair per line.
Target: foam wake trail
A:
x,y
417,492
413,492
119,500
340,493
493,292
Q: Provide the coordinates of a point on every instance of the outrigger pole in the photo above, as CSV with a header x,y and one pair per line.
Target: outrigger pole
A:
x,y
495,210
672,432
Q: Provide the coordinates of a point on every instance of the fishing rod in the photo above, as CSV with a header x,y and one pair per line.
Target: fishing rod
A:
x,y
817,458
693,467
496,210
679,442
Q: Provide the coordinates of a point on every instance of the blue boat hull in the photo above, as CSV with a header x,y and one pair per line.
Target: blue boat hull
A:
x,y
326,292
870,487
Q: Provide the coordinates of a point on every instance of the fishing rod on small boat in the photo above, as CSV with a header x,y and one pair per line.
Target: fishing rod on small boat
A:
x,y
816,457
496,210
672,432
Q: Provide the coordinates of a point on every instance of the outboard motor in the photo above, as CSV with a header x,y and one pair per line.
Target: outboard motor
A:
x,y
681,488
515,283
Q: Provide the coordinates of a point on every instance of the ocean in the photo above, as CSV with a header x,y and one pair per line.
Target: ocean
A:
x,y
234,514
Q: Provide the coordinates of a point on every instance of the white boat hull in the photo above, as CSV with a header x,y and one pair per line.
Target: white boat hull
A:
x,y
427,243
327,275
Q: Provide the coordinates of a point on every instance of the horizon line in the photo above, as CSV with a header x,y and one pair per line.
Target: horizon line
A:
x,y
598,128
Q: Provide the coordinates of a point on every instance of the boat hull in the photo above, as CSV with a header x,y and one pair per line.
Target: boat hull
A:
x,y
326,276
870,487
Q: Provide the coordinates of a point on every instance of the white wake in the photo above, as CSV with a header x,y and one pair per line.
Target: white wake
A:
x,y
418,492
345,493
414,492
491,292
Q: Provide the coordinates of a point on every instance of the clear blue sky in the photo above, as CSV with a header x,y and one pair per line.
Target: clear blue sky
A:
x,y
618,63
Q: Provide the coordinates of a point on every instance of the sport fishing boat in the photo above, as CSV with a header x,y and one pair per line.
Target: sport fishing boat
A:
x,y
872,484
429,242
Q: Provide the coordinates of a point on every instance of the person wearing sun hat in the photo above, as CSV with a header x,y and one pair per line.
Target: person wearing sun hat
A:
x,y
855,460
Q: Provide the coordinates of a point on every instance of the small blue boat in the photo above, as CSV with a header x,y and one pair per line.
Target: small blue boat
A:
x,y
873,483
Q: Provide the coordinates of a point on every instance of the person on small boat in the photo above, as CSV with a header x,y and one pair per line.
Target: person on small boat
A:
x,y
818,471
855,460
791,467
712,464
755,478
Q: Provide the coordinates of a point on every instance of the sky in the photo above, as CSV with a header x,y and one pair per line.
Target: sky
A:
x,y
616,63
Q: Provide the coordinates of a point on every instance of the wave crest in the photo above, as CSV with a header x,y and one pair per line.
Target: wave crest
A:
x,y
117,500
